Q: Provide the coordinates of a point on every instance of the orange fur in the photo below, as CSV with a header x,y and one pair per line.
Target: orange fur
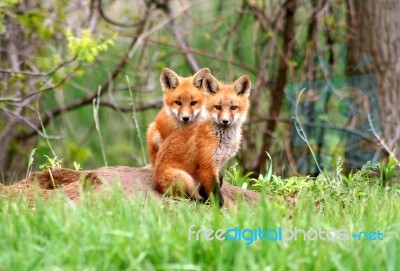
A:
x,y
183,105
195,154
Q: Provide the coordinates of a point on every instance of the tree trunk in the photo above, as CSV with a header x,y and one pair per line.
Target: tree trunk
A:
x,y
374,30
278,92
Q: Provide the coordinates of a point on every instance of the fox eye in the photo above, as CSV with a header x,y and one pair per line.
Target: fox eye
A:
x,y
193,102
178,102
218,107
234,107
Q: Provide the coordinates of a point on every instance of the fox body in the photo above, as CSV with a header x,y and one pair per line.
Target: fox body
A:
x,y
184,101
193,155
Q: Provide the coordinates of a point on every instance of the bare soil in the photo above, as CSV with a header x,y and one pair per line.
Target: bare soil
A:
x,y
132,181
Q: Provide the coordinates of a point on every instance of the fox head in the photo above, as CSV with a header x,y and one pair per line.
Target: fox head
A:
x,y
184,97
227,105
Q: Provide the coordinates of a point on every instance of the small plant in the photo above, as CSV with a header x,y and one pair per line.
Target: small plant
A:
x,y
261,180
53,163
235,176
387,170
30,163
76,166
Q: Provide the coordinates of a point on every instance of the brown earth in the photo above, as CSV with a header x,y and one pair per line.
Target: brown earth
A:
x,y
132,181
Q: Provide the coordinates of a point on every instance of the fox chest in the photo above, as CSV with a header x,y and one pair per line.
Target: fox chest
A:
x,y
227,146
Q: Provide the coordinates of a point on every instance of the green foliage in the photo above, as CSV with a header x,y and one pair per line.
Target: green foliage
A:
x,y
34,22
76,166
87,48
231,41
110,231
52,163
235,176
5,9
360,183
388,170
279,186
77,152
10,3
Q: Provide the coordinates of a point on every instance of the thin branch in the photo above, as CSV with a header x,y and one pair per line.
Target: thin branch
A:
x,y
365,136
111,21
180,41
207,54
152,104
301,132
266,23
44,131
382,141
30,124
40,74
16,99
54,86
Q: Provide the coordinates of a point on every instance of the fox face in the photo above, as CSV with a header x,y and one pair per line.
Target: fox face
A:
x,y
227,105
184,97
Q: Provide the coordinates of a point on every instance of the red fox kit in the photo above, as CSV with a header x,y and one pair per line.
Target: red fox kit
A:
x,y
195,154
183,105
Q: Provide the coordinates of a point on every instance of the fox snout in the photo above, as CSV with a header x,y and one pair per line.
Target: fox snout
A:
x,y
189,116
225,121
185,118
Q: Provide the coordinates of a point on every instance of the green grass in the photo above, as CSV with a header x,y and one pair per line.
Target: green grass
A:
x,y
112,232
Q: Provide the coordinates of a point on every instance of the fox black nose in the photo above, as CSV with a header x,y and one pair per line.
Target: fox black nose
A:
x,y
185,118
225,121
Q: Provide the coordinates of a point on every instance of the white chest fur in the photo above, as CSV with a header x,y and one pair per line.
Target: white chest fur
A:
x,y
228,144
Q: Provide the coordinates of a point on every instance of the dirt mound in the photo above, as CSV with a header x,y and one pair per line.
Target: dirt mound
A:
x,y
132,181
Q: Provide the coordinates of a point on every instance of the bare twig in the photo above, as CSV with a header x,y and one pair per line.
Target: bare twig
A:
x,y
21,99
111,21
208,54
382,141
152,104
27,122
40,74
180,41
302,133
44,130
62,81
365,136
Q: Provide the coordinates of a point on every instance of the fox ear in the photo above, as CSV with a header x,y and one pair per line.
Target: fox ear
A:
x,y
169,79
210,84
243,86
199,76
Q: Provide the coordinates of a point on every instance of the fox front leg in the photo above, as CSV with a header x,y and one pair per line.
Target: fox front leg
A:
x,y
217,193
210,184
